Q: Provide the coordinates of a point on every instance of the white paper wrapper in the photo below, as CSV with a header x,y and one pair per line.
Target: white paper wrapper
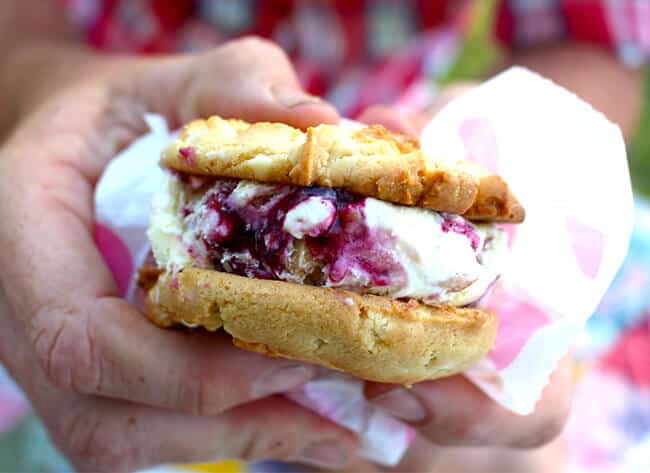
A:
x,y
564,161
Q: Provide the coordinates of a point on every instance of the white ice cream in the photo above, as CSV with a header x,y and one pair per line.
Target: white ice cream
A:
x,y
433,258
439,266
166,230
309,217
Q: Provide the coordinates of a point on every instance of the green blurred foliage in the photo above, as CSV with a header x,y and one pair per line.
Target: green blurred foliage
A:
x,y
479,53
639,148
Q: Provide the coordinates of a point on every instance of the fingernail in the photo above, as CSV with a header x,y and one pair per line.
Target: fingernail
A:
x,y
327,454
282,380
402,404
291,96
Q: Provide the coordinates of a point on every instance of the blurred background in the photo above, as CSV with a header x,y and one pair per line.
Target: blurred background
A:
x,y
357,53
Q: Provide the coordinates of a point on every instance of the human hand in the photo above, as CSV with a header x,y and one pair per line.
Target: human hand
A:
x,y
115,392
452,412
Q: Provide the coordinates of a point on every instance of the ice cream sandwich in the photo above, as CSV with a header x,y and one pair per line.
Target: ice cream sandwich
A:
x,y
348,248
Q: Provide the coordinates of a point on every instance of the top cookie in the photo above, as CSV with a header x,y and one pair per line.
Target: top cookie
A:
x,y
369,161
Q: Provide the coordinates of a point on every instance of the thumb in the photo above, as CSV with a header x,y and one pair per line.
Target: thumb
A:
x,y
250,78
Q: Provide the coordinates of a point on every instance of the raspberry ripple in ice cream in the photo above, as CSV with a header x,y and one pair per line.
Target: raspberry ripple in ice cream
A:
x,y
324,237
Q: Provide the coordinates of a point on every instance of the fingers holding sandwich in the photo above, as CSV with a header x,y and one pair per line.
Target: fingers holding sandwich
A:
x,y
75,339
102,346
454,412
100,434
250,79
64,299
395,120
413,122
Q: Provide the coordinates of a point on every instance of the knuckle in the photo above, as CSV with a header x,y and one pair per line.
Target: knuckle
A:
x,y
96,443
276,448
258,46
281,443
205,394
549,420
464,432
455,430
547,430
258,446
255,42
199,401
249,445
65,348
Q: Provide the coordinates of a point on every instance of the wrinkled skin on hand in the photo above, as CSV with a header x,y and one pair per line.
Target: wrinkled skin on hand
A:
x,y
117,393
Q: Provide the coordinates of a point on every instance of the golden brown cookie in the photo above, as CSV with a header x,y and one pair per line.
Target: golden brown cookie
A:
x,y
369,161
373,337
